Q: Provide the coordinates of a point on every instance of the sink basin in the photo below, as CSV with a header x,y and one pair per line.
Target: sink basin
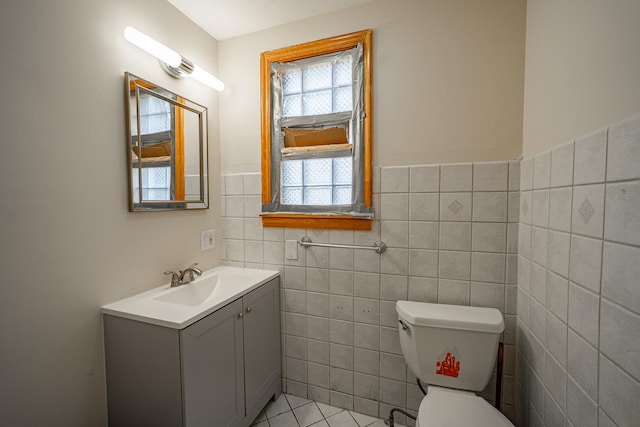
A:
x,y
184,305
192,294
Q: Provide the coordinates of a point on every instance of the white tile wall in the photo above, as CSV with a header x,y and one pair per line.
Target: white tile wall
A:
x,y
564,226
578,348
452,237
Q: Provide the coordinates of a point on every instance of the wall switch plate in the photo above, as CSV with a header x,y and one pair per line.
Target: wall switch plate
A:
x,y
291,249
207,240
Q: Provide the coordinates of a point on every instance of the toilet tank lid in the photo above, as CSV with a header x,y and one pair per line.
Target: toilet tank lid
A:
x,y
481,319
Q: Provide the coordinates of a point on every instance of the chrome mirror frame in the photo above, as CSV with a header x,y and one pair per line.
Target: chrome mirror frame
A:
x,y
198,197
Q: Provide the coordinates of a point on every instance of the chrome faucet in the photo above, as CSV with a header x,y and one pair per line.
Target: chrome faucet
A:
x,y
185,276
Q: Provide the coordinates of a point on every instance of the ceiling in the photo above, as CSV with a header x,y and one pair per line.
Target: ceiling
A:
x,y
224,19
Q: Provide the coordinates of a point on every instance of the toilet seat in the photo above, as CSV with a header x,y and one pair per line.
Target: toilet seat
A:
x,y
443,407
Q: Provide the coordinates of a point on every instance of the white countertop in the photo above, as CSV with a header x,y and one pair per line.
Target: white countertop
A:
x,y
209,292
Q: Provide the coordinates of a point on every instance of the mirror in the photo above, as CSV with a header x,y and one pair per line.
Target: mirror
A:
x,y
166,149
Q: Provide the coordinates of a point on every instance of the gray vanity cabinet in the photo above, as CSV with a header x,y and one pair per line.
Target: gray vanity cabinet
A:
x,y
213,368
219,371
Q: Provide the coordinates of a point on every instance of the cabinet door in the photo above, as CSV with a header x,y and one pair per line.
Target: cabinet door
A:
x,y
212,367
261,341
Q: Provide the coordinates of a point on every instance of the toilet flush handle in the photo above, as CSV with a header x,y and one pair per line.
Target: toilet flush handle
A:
x,y
404,325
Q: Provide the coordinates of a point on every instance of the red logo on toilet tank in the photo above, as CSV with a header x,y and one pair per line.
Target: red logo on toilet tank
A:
x,y
448,367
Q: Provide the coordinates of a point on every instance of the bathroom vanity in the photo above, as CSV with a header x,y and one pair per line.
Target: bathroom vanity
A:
x,y
202,354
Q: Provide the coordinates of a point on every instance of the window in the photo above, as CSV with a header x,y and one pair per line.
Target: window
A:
x,y
316,134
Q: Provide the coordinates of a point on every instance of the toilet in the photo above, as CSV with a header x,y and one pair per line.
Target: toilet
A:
x,y
453,350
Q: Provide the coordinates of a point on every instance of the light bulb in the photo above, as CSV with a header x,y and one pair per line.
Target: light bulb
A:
x,y
205,78
146,43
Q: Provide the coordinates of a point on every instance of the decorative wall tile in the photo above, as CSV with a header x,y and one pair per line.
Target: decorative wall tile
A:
x,y
623,154
590,159
424,179
455,206
456,177
588,210
491,176
622,222
526,174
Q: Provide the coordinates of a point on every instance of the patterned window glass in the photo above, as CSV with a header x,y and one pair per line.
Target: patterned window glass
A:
x,y
317,181
317,89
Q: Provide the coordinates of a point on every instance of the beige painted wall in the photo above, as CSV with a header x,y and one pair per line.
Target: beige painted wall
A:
x,y
69,244
448,80
582,69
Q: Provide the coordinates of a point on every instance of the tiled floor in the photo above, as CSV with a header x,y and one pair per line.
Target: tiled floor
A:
x,y
292,411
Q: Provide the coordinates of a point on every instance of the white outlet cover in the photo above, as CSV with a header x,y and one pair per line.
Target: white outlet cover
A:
x,y
207,240
291,249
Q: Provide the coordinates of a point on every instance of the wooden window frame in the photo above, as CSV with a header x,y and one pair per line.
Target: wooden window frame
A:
x,y
298,52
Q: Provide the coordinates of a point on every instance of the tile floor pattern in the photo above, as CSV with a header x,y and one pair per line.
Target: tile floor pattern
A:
x,y
292,411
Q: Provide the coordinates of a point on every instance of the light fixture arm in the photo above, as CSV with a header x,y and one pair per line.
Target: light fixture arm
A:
x,y
183,70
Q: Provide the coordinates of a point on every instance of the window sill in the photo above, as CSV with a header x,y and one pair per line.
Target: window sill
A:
x,y
329,222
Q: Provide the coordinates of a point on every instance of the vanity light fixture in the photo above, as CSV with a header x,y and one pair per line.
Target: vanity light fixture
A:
x,y
172,62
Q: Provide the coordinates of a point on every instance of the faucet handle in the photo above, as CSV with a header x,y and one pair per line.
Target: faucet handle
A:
x,y
194,269
175,278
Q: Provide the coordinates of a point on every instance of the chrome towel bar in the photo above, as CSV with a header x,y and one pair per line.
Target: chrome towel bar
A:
x,y
379,246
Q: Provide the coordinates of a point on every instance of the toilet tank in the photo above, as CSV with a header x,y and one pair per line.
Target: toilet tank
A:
x,y
450,345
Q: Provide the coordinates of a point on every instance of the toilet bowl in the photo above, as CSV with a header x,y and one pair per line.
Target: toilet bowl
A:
x,y
453,349
449,407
